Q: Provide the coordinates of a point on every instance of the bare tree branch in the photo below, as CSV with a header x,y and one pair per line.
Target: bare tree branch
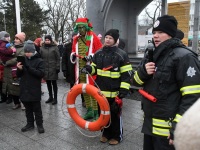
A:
x,y
62,15
152,13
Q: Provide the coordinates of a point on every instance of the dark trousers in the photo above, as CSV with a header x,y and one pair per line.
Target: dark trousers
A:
x,y
54,91
6,97
33,112
115,130
156,143
15,99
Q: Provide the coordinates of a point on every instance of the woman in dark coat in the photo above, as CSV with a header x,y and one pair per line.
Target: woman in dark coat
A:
x,y
51,56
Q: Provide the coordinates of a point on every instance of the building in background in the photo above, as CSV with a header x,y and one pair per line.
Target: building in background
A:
x,y
181,11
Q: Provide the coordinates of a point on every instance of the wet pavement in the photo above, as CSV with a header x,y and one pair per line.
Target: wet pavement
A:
x,y
61,133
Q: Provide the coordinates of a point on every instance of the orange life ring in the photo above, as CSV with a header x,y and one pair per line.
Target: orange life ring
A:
x,y
104,117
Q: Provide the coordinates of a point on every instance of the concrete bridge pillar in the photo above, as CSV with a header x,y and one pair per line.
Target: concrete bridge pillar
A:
x,y
132,28
94,13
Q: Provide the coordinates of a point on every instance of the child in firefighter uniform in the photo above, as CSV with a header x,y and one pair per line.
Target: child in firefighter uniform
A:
x,y
172,77
113,70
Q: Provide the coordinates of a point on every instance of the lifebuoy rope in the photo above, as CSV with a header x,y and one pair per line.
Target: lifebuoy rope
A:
x,y
73,106
77,127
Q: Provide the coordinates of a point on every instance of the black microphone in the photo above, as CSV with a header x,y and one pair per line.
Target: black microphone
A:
x,y
150,49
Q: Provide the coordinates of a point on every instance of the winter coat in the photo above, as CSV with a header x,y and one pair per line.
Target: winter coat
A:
x,y
7,77
67,66
175,84
113,70
51,57
30,82
5,53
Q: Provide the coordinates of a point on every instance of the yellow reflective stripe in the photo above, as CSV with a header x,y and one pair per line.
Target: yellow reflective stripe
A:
x,y
93,70
161,123
193,89
125,85
93,64
108,73
109,94
126,68
177,118
159,131
137,79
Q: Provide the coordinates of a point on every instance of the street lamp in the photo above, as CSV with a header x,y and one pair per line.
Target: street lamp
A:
x,y
4,19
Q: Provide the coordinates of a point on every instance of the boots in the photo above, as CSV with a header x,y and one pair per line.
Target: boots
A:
x,y
49,100
54,101
27,127
16,106
89,114
40,128
96,115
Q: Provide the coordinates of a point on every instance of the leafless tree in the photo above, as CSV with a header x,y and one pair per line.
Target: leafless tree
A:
x,y
61,16
152,12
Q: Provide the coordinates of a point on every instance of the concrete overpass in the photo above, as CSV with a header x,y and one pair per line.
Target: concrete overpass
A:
x,y
120,14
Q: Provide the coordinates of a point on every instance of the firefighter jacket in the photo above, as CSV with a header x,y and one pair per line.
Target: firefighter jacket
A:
x,y
175,84
113,70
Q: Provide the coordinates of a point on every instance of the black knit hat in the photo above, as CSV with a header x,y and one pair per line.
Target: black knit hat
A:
x,y
114,33
167,24
48,37
29,47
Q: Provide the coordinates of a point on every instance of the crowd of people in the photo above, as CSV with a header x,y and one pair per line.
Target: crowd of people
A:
x,y
170,74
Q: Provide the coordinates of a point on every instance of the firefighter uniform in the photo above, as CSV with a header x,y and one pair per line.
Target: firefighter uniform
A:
x,y
176,86
113,70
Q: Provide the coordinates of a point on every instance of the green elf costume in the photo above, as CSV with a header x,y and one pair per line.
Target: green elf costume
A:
x,y
85,44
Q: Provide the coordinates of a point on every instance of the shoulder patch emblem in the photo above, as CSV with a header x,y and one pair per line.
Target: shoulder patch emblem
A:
x,y
115,69
191,72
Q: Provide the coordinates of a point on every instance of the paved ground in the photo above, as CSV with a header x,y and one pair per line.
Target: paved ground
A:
x,y
61,133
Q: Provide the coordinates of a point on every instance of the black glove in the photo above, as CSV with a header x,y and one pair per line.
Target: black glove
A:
x,y
121,95
87,58
86,69
57,70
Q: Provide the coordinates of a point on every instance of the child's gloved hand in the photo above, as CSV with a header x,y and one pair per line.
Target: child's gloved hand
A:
x,y
87,58
86,69
8,45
